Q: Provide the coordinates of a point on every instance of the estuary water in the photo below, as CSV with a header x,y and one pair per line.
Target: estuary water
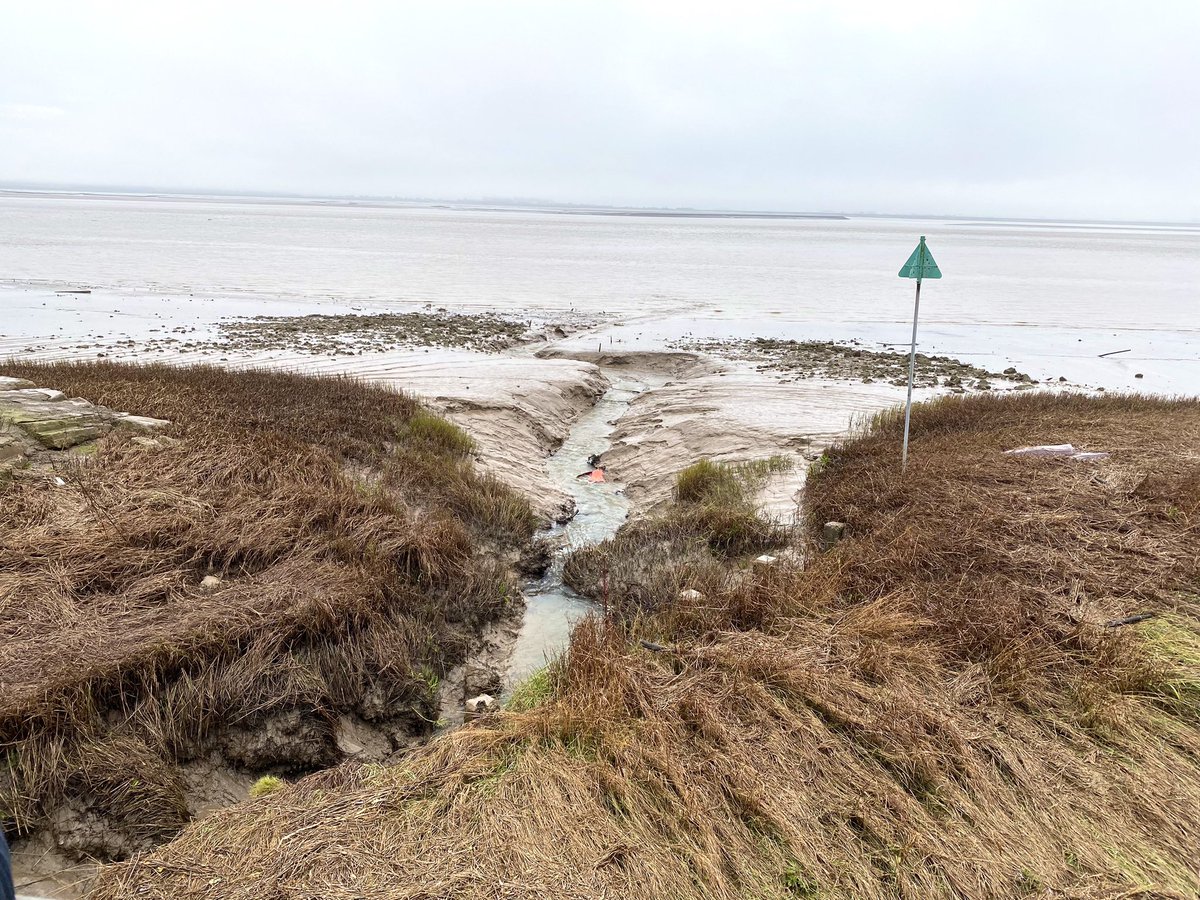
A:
x,y
1044,295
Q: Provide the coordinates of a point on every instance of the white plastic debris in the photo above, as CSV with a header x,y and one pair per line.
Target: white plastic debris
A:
x,y
1066,451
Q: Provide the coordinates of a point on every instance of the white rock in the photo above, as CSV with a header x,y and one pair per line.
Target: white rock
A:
x,y
690,594
766,560
14,384
210,583
145,423
484,703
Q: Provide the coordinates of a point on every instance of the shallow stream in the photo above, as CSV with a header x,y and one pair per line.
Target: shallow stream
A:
x,y
552,608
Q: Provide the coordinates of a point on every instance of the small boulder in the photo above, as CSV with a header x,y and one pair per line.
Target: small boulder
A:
x,y
690,594
481,705
765,561
141,423
1011,370
210,583
1139,375
8,383
832,532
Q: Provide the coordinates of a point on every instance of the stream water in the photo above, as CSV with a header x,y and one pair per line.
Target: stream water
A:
x,y
552,608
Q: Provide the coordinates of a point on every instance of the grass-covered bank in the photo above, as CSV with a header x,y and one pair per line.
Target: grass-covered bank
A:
x,y
293,553
936,707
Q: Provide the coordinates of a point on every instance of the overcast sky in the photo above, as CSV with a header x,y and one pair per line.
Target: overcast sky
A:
x,y
1050,108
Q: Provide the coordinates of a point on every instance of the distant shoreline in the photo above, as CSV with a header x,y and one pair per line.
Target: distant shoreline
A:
x,y
42,194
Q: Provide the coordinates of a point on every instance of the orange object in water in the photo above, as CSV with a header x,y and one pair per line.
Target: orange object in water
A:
x,y
596,476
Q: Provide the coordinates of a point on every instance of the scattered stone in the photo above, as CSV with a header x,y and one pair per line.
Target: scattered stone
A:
x,y
1139,375
1062,378
8,383
1011,370
832,532
982,385
690,594
850,362
766,560
481,705
210,583
142,423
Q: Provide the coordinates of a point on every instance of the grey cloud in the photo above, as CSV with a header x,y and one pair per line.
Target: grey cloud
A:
x,y
1017,108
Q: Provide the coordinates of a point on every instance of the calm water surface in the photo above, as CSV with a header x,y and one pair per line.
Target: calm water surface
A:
x,y
1047,297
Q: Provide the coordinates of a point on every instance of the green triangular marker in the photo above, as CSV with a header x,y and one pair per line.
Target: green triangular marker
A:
x,y
921,264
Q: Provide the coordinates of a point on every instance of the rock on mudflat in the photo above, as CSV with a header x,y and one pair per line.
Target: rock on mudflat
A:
x,y
14,384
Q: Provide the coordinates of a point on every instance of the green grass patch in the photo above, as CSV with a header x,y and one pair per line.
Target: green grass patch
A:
x,y
532,692
268,784
435,433
1176,650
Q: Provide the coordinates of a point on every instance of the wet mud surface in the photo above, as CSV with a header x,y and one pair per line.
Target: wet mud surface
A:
x,y
854,361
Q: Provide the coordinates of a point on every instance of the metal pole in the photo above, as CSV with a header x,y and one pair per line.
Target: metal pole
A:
x,y
912,367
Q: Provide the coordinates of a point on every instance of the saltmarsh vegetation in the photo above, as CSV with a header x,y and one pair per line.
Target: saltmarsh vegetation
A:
x,y
293,550
939,706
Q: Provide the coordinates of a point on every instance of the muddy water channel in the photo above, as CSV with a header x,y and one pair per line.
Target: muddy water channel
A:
x,y
552,608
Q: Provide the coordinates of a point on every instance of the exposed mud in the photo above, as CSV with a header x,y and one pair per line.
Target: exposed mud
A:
x,y
851,361
353,333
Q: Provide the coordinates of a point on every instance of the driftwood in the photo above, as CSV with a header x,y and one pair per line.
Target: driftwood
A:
x,y
1129,620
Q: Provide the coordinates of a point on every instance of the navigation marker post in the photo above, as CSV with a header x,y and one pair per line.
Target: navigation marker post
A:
x,y
920,265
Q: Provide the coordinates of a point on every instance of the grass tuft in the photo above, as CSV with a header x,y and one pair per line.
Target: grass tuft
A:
x,y
434,433
532,692
268,784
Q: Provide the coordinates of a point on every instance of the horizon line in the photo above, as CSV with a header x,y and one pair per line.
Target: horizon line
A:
x,y
539,204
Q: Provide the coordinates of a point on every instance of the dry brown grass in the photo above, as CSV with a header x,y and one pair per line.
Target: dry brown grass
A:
x,y
934,708
355,553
